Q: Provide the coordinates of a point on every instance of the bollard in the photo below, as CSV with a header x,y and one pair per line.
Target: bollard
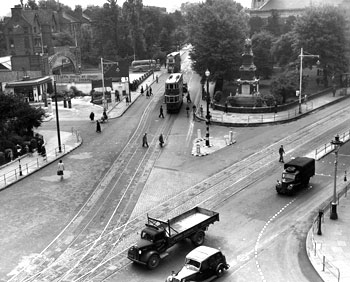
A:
x,y
231,136
199,134
198,149
320,214
20,167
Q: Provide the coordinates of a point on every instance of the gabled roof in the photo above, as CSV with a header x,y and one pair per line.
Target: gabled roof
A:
x,y
43,16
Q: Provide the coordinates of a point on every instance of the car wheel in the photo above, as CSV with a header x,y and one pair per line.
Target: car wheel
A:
x,y
220,271
153,261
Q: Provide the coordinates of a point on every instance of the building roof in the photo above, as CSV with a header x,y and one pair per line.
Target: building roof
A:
x,y
296,4
29,82
173,78
5,63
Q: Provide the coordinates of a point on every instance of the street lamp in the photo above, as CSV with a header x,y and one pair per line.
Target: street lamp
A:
x,y
337,143
207,74
302,55
57,121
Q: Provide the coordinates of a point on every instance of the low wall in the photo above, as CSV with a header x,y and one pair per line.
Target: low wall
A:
x,y
258,110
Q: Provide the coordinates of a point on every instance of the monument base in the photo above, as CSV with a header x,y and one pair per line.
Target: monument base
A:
x,y
244,101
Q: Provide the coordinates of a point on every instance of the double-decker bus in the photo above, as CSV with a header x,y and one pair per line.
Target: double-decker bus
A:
x,y
144,65
174,92
173,62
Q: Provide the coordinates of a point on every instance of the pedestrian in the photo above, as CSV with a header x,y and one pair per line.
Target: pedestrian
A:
x,y
43,151
142,90
118,96
334,89
305,98
105,117
188,110
161,140
226,107
194,108
92,116
276,107
98,126
161,111
147,94
150,91
144,140
188,98
60,169
201,110
157,78
281,152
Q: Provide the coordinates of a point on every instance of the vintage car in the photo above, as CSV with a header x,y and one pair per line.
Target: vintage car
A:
x,y
202,264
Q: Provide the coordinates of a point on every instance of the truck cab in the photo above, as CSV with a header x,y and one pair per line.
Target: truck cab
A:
x,y
202,264
149,247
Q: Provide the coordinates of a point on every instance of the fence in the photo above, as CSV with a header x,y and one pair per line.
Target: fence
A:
x,y
316,247
30,163
329,147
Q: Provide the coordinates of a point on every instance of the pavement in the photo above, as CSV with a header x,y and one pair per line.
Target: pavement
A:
x,y
329,253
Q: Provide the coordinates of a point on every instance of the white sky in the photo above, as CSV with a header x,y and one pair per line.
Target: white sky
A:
x,y
6,5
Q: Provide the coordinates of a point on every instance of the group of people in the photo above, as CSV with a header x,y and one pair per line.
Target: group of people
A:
x,y
145,141
149,91
104,118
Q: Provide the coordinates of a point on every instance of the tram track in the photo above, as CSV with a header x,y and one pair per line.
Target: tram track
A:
x,y
219,186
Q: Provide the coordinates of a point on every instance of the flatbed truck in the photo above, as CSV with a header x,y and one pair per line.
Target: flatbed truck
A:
x,y
158,236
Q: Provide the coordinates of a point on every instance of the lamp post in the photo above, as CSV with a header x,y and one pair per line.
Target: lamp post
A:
x,y
57,121
207,143
337,143
302,55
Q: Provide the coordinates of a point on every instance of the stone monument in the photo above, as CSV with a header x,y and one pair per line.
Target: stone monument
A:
x,y
247,84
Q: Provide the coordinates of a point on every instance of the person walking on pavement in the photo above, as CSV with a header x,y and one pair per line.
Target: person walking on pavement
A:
x,y
144,140
161,111
92,116
147,94
194,108
98,126
188,98
226,107
201,110
157,78
142,90
188,110
161,140
60,169
281,152
150,91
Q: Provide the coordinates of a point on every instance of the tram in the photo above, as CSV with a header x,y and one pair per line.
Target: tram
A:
x,y
174,92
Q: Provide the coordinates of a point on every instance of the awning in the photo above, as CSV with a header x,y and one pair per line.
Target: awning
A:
x,y
29,82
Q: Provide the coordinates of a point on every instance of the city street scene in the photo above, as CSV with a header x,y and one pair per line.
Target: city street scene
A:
x,y
183,141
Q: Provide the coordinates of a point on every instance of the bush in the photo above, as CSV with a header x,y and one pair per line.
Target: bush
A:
x,y
2,158
217,96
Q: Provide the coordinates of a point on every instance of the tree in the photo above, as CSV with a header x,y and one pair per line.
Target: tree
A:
x,y
62,39
261,44
321,31
17,118
284,86
282,50
217,31
274,25
256,25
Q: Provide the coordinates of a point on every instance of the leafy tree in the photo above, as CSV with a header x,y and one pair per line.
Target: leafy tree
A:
x,y
217,30
17,118
284,86
256,25
321,31
274,25
62,39
261,44
282,50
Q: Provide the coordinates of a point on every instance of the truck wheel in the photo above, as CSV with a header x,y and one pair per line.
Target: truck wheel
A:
x,y
153,261
220,270
198,238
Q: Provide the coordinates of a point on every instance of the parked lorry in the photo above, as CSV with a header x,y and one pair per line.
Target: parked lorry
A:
x,y
158,236
296,175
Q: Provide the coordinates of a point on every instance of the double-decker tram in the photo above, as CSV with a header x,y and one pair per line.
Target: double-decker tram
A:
x,y
174,92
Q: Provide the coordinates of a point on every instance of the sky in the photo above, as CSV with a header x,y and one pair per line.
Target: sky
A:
x,y
171,5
